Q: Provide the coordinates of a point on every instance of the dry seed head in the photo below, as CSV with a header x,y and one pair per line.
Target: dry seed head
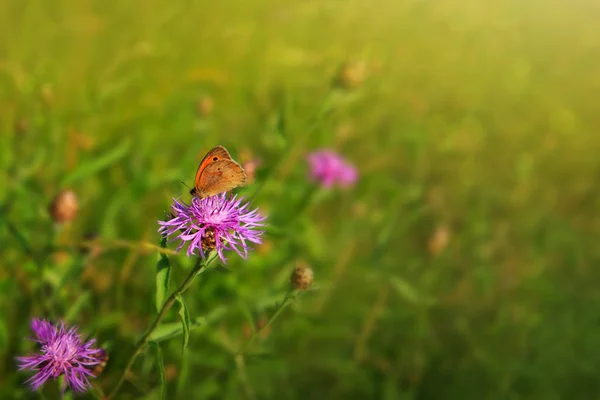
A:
x,y
64,207
302,278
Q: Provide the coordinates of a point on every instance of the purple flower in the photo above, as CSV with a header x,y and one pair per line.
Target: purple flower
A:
x,y
329,168
62,352
214,223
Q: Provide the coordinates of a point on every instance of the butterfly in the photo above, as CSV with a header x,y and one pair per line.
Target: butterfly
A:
x,y
217,173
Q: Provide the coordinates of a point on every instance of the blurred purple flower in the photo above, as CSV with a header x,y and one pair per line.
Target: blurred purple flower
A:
x,y
214,223
62,352
328,168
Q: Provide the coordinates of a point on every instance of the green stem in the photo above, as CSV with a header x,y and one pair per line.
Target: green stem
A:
x,y
200,267
289,296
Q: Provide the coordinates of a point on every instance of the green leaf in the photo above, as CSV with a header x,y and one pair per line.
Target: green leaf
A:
x,y
167,331
409,293
97,164
161,370
163,273
174,329
185,321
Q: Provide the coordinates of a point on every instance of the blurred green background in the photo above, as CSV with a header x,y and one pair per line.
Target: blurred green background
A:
x,y
460,266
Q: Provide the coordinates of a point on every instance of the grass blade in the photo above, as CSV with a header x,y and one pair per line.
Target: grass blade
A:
x,y
173,329
97,164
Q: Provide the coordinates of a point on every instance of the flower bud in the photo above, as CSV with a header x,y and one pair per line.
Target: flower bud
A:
x,y
64,207
302,278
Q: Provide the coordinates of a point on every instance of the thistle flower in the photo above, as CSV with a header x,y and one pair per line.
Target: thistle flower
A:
x,y
214,223
329,168
62,352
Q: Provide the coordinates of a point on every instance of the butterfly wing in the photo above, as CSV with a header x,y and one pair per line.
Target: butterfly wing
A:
x,y
217,173
220,176
216,154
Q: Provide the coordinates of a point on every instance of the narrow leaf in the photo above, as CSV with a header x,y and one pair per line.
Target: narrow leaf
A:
x,y
409,293
185,321
174,329
97,164
161,370
163,273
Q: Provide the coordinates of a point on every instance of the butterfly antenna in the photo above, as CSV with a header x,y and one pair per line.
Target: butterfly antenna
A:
x,y
184,184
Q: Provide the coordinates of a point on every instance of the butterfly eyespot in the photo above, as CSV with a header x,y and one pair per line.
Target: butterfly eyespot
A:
x,y
215,158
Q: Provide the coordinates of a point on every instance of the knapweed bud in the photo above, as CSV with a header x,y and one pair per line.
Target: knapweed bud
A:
x,y
205,106
64,207
302,278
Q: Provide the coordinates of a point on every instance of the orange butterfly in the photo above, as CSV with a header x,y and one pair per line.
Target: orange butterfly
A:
x,y
217,173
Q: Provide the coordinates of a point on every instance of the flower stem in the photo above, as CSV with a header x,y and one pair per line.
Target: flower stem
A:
x,y
289,296
201,266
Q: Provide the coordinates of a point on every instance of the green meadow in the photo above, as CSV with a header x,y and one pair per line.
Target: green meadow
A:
x,y
461,265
